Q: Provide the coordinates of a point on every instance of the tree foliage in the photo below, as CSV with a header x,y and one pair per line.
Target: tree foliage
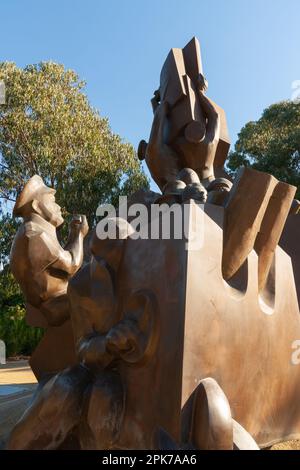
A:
x,y
47,127
271,144
20,339
8,229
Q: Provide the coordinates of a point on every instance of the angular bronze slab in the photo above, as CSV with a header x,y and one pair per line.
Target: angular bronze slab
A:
x,y
234,337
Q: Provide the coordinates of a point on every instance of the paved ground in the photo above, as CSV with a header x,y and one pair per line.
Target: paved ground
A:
x,y
290,445
16,372
17,384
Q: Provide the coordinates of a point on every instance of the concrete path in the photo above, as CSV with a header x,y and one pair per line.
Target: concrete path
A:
x,y
16,372
17,384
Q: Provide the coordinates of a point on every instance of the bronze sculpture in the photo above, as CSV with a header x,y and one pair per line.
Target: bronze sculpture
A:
x,y
189,130
43,268
176,346
89,397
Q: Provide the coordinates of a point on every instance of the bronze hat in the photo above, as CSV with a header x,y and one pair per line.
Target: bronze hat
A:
x,y
32,190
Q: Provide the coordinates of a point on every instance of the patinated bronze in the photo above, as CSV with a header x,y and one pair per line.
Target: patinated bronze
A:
x,y
175,344
189,130
43,269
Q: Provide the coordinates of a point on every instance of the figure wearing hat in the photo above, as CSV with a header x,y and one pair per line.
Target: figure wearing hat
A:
x,y
43,269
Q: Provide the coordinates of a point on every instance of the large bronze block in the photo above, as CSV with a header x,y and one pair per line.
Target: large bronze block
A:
x,y
209,328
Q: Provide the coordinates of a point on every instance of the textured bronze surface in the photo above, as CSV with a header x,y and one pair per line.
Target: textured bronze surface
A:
x,y
167,342
189,129
43,269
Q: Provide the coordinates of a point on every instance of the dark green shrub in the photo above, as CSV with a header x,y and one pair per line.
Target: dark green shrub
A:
x,y
19,338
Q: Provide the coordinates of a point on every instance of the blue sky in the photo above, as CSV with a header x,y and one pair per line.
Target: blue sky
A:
x,y
250,50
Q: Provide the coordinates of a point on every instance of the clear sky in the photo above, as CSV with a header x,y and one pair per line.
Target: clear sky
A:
x,y
250,50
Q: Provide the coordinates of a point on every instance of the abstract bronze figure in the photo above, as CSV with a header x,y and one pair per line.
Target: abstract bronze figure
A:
x,y
189,130
175,345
